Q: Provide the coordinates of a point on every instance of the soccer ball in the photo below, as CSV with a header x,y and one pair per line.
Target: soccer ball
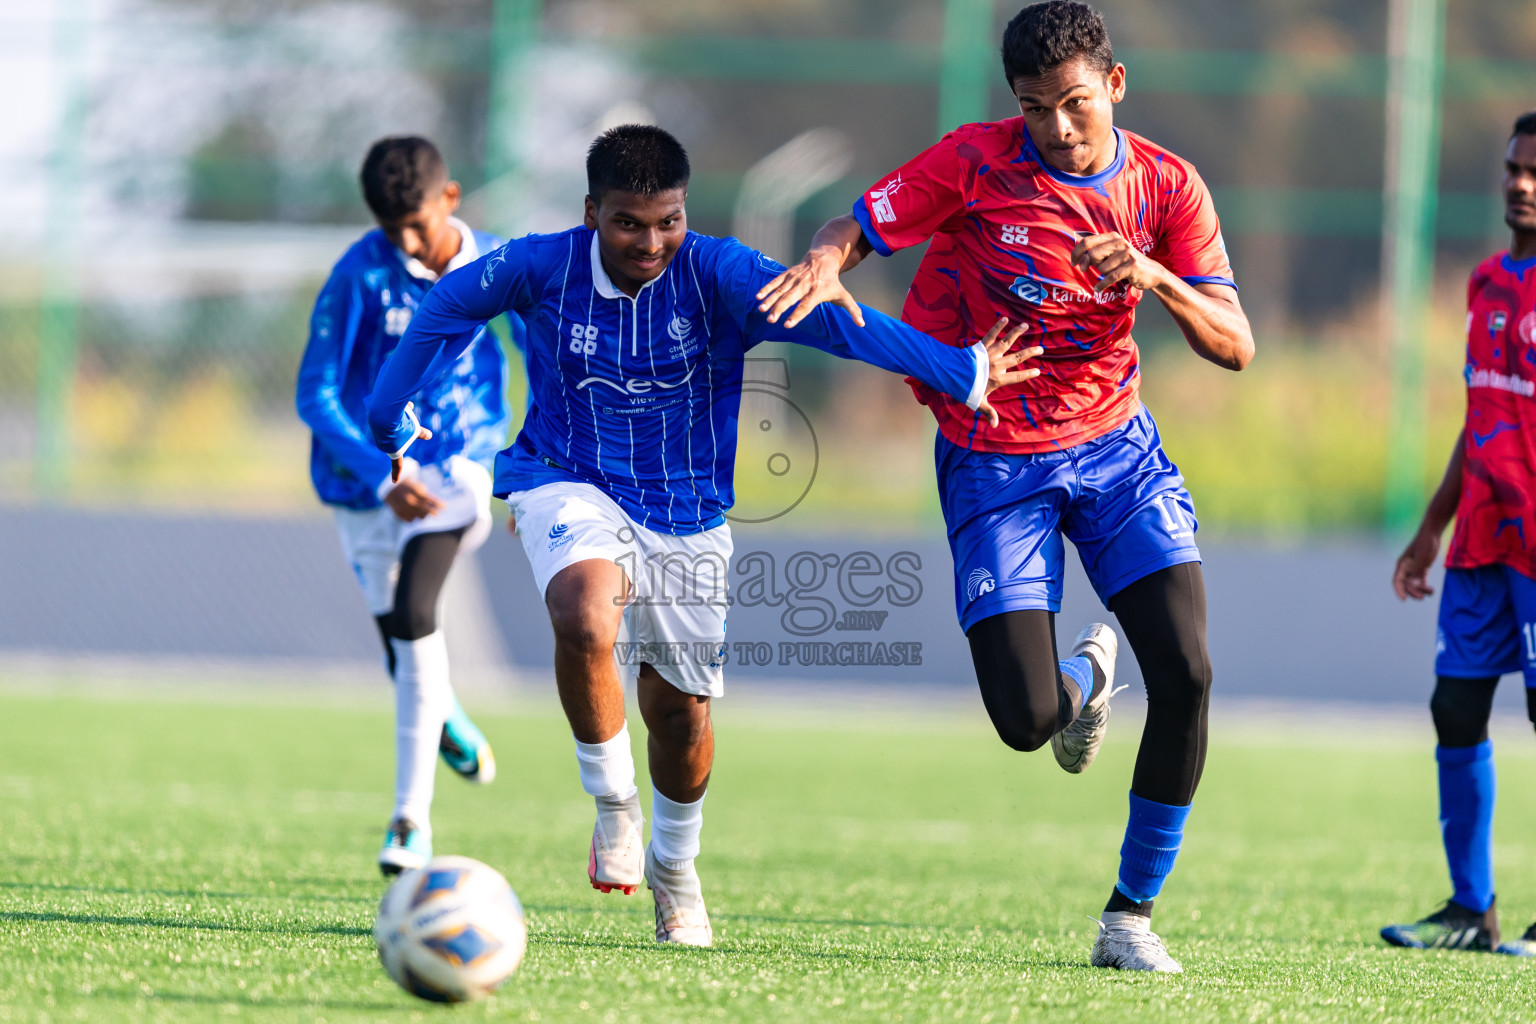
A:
x,y
451,930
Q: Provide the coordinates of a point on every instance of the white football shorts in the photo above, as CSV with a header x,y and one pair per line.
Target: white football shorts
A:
x,y
373,540
675,618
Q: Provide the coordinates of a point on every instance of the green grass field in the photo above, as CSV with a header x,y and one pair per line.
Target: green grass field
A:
x,y
176,858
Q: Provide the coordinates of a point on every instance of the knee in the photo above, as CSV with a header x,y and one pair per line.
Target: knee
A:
x,y
685,727
1025,729
579,629
1461,719
1180,677
674,719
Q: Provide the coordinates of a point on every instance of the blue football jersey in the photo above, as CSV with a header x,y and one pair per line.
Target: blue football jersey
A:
x,y
359,318
639,396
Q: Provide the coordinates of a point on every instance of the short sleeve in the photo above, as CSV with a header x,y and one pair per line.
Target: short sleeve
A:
x,y
915,201
1190,243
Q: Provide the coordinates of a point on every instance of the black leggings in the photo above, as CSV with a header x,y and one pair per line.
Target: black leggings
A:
x,y
1162,617
1461,708
424,566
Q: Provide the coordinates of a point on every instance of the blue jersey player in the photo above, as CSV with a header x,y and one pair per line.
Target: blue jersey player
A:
x,y
400,536
621,477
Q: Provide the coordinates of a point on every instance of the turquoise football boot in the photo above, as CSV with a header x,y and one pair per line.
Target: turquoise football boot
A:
x,y
405,848
1525,945
465,749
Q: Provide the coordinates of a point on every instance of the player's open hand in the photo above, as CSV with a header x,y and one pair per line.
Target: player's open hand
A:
x,y
410,500
397,460
1116,261
1002,363
1411,576
809,283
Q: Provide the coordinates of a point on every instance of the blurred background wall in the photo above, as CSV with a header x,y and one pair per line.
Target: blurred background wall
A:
x,y
179,175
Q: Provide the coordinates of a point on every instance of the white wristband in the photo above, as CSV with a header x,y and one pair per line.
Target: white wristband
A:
x,y
410,414
983,365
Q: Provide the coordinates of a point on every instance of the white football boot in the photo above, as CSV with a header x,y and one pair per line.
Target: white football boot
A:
x,y
1127,942
680,913
1077,745
616,858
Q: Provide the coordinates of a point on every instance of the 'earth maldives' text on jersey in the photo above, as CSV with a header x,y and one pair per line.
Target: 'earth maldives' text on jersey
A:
x,y
1003,225
359,318
1496,517
639,397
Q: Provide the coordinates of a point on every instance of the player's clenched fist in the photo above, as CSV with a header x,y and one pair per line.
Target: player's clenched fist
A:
x,y
1117,261
1001,362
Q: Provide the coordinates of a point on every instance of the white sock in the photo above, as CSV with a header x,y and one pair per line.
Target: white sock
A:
x,y
608,768
675,829
423,699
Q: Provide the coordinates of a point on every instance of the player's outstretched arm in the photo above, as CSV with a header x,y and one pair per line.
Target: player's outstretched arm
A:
x,y
441,330
838,247
1410,577
1209,314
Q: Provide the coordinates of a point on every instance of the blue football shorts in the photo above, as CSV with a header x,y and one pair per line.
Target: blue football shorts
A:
x,y
1117,498
1487,624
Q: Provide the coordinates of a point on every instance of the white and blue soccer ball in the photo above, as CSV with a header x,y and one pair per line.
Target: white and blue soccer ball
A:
x,y
451,930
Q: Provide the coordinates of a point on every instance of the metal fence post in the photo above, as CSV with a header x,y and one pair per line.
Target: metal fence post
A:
x,y
1413,111
969,62
58,338
514,34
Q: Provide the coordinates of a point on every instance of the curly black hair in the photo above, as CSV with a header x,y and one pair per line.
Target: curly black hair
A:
x,y
399,174
637,158
1044,36
1525,124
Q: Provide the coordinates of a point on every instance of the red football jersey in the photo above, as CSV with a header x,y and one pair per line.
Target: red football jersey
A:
x,y
1494,520
1003,225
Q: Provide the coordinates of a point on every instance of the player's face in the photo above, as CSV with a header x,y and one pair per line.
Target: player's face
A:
x,y
426,233
1070,114
1520,183
638,235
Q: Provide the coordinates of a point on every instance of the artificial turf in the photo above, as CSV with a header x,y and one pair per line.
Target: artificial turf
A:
x,y
186,858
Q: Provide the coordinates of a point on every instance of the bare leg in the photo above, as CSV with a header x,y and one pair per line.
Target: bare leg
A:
x,y
681,747
585,603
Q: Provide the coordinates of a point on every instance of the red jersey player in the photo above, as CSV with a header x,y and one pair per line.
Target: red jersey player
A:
x,y
1058,220
1488,610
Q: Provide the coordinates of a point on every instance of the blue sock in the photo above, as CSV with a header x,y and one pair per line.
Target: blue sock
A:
x,y
1466,821
1080,671
1152,838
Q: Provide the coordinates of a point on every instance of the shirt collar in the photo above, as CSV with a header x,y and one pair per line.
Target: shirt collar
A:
x,y
1081,180
468,253
604,284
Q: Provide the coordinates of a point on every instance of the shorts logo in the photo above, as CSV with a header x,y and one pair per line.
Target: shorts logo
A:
x,y
1527,328
1496,321
979,582
883,210
559,536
